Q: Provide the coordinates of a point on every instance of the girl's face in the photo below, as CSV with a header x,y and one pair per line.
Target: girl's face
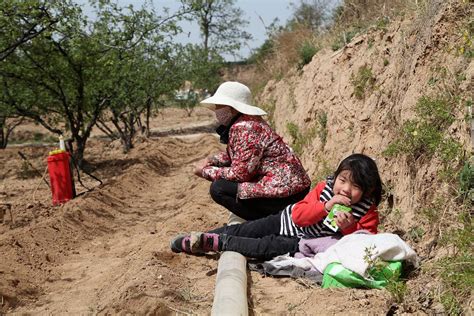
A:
x,y
344,186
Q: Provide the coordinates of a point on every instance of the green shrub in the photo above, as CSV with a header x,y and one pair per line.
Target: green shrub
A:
x,y
37,136
397,289
370,42
466,47
433,211
451,303
324,170
449,152
306,52
300,140
296,136
416,233
362,81
294,130
262,52
436,111
323,128
382,23
416,138
469,105
425,135
270,109
395,286
466,181
457,269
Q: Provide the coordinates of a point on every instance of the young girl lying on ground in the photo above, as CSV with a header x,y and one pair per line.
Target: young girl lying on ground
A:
x,y
356,183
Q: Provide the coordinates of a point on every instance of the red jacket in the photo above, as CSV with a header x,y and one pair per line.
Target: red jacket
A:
x,y
311,210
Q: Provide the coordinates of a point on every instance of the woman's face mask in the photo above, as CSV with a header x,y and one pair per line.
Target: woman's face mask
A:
x,y
224,115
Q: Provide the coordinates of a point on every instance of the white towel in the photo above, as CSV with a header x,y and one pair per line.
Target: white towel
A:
x,y
351,249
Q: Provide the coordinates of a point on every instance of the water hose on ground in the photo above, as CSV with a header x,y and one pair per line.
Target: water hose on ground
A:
x,y
230,294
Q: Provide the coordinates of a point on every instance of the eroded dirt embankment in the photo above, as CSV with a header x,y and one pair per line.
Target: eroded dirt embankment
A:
x,y
387,83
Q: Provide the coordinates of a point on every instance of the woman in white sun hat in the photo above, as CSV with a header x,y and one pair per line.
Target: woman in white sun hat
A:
x,y
258,174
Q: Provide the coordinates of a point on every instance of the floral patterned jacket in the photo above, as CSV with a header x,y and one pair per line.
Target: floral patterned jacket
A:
x,y
259,160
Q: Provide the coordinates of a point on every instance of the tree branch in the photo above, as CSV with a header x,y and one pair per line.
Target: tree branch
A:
x,y
105,129
28,35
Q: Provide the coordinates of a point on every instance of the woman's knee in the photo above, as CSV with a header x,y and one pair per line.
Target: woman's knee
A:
x,y
220,188
215,190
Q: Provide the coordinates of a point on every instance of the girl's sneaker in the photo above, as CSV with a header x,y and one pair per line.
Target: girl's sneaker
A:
x,y
210,242
195,243
181,243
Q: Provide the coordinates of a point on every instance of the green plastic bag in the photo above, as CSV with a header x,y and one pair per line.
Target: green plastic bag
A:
x,y
335,275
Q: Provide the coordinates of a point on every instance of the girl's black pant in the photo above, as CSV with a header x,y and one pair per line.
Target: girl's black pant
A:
x,y
258,239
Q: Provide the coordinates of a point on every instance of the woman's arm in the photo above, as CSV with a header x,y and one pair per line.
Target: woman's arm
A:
x,y
247,145
221,159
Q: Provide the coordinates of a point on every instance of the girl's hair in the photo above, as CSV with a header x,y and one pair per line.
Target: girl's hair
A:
x,y
364,172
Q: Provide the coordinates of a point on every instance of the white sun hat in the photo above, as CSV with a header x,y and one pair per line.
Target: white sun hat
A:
x,y
235,95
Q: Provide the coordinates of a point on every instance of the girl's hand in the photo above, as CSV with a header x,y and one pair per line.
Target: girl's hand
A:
x,y
337,199
201,164
344,220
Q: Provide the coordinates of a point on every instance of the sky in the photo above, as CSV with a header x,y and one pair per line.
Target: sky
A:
x,y
259,14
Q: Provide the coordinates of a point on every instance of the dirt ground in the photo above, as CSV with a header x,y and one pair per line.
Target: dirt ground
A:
x,y
107,251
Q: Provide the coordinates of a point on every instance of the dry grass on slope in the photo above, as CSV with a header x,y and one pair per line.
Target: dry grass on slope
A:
x,y
293,47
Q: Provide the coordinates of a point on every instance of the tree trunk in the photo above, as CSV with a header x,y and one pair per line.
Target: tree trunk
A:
x,y
148,115
206,21
127,132
106,130
126,137
3,138
127,143
189,110
141,128
5,130
78,154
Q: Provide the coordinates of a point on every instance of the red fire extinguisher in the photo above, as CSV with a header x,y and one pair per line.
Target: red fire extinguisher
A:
x,y
60,176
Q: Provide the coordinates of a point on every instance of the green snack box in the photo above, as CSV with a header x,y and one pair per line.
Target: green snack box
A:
x,y
330,220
